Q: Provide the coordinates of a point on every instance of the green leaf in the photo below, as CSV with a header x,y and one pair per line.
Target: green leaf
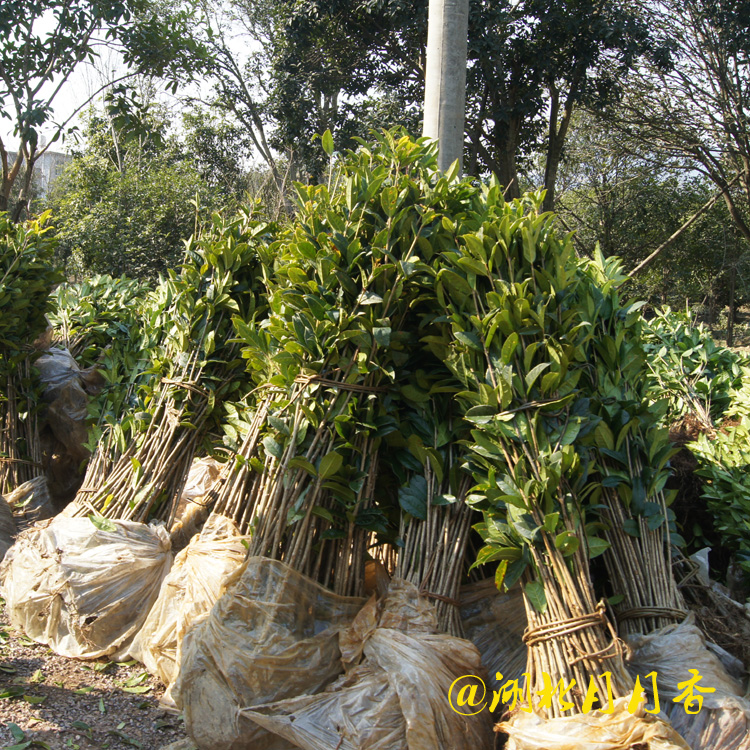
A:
x,y
534,373
273,448
567,542
370,298
413,497
470,339
485,555
550,522
16,731
302,463
330,464
535,594
103,524
509,348
514,572
327,142
596,546
382,336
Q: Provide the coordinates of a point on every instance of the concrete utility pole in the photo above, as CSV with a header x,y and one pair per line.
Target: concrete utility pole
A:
x,y
445,81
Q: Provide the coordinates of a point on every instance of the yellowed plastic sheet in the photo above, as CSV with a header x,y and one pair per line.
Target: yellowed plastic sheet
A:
x,y
31,502
723,720
396,697
274,634
191,588
84,590
595,730
192,510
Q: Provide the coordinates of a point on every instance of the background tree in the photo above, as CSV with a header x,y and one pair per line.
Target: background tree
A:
x,y
127,200
221,150
531,63
697,110
43,41
628,198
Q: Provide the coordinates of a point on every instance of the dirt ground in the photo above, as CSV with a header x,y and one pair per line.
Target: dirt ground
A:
x,y
65,704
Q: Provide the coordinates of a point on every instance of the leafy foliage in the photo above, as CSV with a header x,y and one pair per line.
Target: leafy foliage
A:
x,y
96,313
27,276
688,368
724,463
125,204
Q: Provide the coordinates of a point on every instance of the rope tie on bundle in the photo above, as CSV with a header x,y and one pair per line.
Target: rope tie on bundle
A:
x,y
641,613
189,385
306,380
559,628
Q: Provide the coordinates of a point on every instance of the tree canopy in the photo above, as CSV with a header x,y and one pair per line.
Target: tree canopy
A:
x,y
43,41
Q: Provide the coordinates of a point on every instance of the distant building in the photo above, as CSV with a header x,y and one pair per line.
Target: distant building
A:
x,y
47,168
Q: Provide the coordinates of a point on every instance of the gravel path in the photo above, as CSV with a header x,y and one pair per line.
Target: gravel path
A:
x,y
66,704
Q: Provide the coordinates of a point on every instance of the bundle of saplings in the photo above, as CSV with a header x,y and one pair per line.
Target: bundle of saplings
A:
x,y
335,370
27,277
196,365
351,272
690,370
631,452
518,335
105,558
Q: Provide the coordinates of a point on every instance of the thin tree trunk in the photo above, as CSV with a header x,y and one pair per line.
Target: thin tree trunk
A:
x,y
24,198
732,304
445,80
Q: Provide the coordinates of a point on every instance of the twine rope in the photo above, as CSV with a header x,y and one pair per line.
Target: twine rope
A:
x,y
560,628
189,385
639,613
306,380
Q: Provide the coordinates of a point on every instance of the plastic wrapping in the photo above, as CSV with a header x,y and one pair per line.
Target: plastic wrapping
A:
x,y
191,511
7,527
272,635
67,401
494,622
31,502
83,590
191,588
595,730
724,718
397,697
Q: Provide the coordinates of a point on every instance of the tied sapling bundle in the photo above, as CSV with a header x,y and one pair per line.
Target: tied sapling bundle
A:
x,y
125,364
199,366
631,452
351,271
27,278
425,456
514,341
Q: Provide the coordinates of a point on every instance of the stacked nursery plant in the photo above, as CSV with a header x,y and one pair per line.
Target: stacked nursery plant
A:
x,y
195,367
410,351
108,324
517,342
340,387
27,277
351,273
